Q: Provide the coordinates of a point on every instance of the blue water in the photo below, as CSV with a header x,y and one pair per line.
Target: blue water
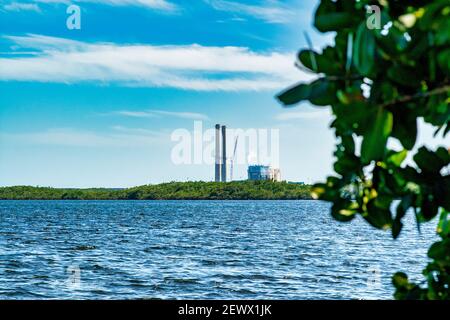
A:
x,y
198,249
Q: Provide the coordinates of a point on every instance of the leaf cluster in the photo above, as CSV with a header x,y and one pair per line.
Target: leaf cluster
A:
x,y
379,82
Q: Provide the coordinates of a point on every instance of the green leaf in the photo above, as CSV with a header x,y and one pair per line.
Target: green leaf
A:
x,y
440,250
333,21
295,94
326,62
392,44
328,18
444,156
378,217
397,227
348,143
396,158
443,228
432,12
323,92
405,128
447,129
400,280
444,61
350,96
307,58
320,93
375,140
347,164
344,210
441,191
402,208
431,162
405,76
353,117
429,208
323,192
364,50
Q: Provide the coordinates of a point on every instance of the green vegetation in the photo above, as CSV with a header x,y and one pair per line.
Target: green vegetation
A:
x,y
239,190
379,81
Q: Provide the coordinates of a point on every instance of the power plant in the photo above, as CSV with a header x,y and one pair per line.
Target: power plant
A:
x,y
255,172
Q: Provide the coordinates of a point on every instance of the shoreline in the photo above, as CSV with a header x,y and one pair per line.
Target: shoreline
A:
x,y
160,200
177,191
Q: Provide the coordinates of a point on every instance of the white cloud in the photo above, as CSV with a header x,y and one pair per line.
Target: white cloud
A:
x,y
190,67
16,6
151,4
270,11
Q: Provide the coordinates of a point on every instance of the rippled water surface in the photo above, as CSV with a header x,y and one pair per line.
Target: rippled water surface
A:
x,y
197,249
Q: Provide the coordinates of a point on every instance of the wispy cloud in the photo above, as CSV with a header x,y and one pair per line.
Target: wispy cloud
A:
x,y
303,115
161,113
17,6
137,131
151,4
270,11
135,114
185,115
190,67
182,115
120,137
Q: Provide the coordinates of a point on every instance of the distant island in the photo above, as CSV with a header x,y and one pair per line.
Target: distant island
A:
x,y
237,190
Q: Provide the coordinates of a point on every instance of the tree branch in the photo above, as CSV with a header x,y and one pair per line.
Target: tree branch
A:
x,y
405,99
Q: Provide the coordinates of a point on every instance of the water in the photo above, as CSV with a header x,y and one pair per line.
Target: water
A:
x,y
198,250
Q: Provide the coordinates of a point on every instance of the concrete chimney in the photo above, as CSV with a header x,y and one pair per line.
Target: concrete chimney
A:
x,y
224,154
217,167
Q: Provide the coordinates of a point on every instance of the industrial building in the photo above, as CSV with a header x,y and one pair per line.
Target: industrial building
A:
x,y
259,172
255,172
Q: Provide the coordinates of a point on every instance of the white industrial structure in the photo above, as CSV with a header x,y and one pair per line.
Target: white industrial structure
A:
x,y
217,158
258,173
233,158
221,154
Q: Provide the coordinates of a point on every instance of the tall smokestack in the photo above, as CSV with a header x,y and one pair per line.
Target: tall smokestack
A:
x,y
224,154
217,171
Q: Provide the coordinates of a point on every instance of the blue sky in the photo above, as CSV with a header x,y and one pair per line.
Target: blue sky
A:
x,y
96,106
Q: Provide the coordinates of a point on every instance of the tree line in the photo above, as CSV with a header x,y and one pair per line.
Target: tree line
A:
x,y
238,190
